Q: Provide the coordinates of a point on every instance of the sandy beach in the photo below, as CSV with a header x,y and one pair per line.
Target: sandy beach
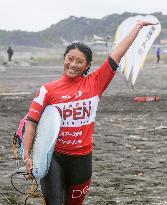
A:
x,y
129,158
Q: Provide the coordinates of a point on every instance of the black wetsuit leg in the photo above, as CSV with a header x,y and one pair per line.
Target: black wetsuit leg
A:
x,y
52,184
67,175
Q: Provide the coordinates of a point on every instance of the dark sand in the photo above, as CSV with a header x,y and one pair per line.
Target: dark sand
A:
x,y
129,160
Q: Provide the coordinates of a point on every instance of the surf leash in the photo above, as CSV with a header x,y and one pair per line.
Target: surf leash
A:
x,y
20,180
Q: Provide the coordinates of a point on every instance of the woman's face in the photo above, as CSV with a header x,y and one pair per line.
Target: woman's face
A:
x,y
75,63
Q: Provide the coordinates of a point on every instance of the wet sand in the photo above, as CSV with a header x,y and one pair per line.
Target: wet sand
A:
x,y
129,159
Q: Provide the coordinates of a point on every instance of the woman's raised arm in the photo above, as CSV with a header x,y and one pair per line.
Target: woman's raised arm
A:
x,y
123,46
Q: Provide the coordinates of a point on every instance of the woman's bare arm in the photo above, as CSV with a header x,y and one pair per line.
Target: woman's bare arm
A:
x,y
123,46
29,137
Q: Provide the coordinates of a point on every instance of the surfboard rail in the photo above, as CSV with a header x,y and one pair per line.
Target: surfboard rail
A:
x,y
46,135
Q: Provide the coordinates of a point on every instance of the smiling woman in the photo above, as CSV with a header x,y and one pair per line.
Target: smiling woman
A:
x,y
75,63
76,96
77,59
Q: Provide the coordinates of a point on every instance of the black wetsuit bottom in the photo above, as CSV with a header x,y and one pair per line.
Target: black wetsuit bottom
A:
x,y
68,179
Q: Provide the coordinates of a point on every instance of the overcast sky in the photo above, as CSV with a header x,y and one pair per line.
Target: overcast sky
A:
x,y
36,15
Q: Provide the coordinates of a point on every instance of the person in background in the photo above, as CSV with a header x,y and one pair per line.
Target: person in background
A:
x,y
10,53
158,54
76,96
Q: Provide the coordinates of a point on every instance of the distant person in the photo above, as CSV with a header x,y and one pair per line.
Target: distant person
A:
x,y
10,53
158,53
76,95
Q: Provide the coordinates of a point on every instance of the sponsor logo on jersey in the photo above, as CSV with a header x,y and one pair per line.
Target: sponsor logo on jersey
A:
x,y
78,113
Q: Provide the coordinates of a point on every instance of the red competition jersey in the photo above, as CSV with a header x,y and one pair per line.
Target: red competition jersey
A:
x,y
77,101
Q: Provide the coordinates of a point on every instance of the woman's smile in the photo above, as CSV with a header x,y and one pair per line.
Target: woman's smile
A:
x,y
75,63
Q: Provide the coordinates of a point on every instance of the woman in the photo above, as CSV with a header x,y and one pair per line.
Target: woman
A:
x,y
76,97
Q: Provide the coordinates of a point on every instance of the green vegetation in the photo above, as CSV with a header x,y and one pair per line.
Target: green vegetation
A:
x,y
73,29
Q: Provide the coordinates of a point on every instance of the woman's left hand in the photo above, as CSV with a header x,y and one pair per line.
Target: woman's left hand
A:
x,y
146,23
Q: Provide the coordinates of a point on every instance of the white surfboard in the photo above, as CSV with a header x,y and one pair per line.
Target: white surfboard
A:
x,y
46,135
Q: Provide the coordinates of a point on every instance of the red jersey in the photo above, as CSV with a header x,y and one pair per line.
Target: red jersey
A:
x,y
77,101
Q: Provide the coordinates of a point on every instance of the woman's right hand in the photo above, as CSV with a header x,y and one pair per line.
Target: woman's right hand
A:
x,y
28,164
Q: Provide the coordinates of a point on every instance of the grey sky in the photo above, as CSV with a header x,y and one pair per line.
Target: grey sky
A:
x,y
35,15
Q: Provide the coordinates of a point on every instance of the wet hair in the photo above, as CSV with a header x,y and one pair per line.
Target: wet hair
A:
x,y
84,49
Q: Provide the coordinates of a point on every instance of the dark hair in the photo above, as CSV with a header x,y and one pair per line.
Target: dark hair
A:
x,y
84,49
